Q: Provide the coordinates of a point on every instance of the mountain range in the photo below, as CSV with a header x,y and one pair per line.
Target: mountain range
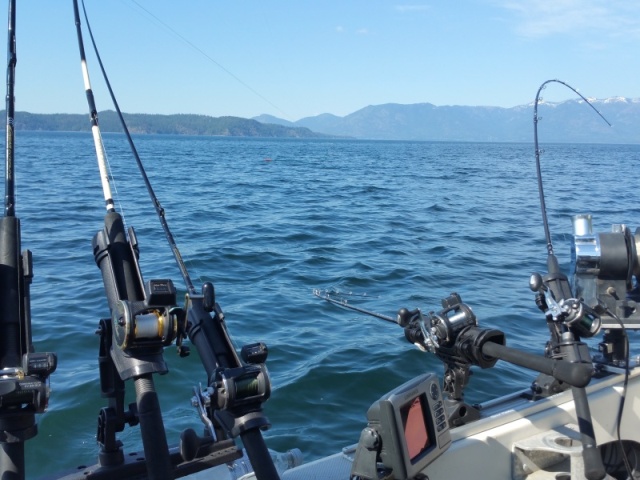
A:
x,y
569,121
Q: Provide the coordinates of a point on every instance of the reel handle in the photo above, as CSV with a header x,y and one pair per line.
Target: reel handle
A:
x,y
406,316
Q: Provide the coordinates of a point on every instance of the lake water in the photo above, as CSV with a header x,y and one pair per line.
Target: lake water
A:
x,y
267,221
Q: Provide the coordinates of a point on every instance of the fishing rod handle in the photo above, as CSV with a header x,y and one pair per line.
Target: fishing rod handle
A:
x,y
12,343
259,455
154,438
593,467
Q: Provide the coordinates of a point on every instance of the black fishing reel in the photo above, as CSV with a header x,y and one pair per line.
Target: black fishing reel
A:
x,y
561,307
21,397
27,385
235,395
152,322
452,334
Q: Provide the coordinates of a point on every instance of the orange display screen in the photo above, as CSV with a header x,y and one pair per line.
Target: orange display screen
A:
x,y
415,428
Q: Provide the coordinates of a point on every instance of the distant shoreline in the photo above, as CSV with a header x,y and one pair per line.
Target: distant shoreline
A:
x,y
567,122
178,124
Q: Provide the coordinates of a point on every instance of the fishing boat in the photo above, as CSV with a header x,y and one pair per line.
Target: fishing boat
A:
x,y
579,418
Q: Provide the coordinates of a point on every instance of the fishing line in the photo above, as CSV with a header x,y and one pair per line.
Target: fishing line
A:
x,y
543,207
159,209
623,395
208,57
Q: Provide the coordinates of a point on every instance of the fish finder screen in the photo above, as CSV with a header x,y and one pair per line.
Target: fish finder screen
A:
x,y
411,429
414,424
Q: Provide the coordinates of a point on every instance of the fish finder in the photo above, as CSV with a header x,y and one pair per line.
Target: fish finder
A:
x,y
407,429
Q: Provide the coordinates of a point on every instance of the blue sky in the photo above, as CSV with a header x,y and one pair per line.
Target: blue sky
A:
x,y
295,59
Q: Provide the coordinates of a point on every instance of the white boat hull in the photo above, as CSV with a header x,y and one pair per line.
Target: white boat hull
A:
x,y
516,438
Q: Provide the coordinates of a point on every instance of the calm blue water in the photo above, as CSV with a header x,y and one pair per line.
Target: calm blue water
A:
x,y
404,223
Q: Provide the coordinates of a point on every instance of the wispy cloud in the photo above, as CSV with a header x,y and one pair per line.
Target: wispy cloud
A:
x,y
360,31
539,18
411,8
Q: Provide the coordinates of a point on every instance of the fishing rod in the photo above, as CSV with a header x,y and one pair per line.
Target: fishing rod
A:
x,y
236,388
555,298
154,199
454,336
554,291
93,112
326,295
144,319
536,119
24,374
568,317
9,199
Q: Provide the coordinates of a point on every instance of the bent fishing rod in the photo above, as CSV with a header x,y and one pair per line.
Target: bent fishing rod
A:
x,y
554,292
568,319
536,119
24,374
453,334
236,389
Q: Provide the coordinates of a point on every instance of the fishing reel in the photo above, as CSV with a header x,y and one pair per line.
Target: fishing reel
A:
x,y
27,385
245,384
236,390
605,268
561,307
153,321
452,334
605,294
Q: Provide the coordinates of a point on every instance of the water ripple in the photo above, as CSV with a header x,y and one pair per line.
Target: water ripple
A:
x,y
404,223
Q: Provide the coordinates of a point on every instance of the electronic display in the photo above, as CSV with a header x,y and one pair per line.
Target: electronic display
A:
x,y
409,427
415,427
